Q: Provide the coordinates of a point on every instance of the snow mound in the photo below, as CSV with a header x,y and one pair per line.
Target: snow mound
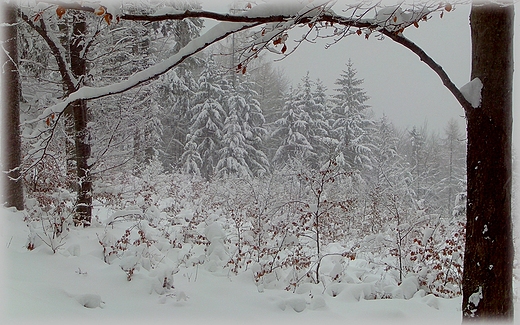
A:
x,y
214,232
317,302
297,303
431,301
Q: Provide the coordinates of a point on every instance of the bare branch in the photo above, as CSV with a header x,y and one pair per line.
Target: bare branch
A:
x,y
399,38
72,5
42,151
65,72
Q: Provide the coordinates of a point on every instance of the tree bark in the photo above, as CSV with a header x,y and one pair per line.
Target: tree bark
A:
x,y
488,262
11,142
68,120
83,214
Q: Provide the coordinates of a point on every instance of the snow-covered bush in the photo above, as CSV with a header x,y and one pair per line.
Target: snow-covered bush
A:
x,y
294,229
49,223
439,256
276,225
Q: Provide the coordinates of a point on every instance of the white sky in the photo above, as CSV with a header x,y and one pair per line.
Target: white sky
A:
x,y
398,83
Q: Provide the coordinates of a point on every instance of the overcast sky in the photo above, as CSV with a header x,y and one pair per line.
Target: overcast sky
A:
x,y
398,83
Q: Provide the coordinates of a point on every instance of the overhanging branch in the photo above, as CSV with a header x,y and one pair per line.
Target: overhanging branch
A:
x,y
399,38
248,21
333,19
259,19
195,46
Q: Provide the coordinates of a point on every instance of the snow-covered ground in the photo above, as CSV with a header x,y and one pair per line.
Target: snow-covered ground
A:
x,y
76,285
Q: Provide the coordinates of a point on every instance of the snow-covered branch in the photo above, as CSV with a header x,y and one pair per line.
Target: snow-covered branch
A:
x,y
277,19
217,33
56,48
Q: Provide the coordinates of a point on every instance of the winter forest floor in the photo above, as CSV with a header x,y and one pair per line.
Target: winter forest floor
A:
x,y
76,285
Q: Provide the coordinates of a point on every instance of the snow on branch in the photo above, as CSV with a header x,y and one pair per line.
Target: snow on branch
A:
x,y
472,91
277,19
56,48
217,33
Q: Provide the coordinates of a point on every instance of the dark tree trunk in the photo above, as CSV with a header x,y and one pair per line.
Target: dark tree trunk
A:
x,y
488,262
11,143
81,133
84,187
70,150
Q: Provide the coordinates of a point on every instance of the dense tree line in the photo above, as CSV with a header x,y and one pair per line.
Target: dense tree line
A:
x,y
202,118
208,120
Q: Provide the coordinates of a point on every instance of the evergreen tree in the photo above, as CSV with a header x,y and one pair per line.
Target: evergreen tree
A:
x,y
291,130
386,155
351,120
417,157
303,129
390,175
241,153
313,102
208,117
233,152
327,143
424,156
177,88
454,160
176,95
271,85
191,158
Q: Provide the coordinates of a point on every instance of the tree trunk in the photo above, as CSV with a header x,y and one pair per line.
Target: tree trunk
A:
x,y
83,214
11,144
68,117
84,199
488,262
